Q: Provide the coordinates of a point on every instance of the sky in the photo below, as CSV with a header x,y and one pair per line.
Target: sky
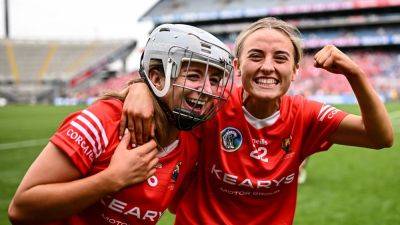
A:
x,y
79,20
76,19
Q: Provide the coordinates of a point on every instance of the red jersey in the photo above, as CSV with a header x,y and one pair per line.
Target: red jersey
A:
x,y
89,138
248,171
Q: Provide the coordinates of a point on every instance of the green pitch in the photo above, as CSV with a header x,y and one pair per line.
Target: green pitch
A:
x,y
347,186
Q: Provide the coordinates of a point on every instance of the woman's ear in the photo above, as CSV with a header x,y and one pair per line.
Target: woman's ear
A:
x,y
236,66
156,78
295,72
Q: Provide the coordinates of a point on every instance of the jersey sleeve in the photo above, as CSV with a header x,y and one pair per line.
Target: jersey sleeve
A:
x,y
85,135
323,120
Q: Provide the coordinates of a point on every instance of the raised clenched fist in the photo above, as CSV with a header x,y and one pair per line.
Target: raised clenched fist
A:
x,y
335,61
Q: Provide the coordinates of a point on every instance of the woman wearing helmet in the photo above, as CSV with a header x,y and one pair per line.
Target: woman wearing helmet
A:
x,y
88,175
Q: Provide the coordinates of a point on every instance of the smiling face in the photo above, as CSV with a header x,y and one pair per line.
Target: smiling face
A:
x,y
266,64
194,88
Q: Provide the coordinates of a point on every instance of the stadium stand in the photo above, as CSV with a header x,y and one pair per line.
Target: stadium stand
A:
x,y
381,68
5,72
180,11
369,31
32,71
112,84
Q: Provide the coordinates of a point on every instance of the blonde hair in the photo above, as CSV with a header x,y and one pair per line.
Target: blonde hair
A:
x,y
272,23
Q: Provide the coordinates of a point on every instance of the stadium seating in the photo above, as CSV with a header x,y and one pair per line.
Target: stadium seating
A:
x,y
358,29
30,69
113,84
28,66
5,72
49,59
180,11
182,6
381,67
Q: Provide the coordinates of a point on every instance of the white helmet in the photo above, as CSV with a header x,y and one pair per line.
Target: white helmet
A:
x,y
173,44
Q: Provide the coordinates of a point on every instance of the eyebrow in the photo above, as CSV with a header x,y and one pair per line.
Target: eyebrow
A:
x,y
277,52
255,50
211,70
283,52
191,69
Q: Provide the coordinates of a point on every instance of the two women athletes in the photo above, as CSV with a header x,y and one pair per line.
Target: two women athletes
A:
x,y
87,175
250,152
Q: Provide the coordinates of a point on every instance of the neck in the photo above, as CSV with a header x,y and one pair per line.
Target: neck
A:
x,y
166,133
168,137
261,108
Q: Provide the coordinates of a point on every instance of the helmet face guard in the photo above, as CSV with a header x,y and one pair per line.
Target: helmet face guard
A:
x,y
212,91
194,96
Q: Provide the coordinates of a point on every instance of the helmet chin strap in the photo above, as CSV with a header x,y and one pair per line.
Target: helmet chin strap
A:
x,y
181,119
184,120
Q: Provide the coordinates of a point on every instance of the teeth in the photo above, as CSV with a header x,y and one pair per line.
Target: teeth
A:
x,y
196,101
264,80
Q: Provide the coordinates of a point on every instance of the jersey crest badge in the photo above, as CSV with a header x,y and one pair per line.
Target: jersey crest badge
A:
x,y
231,139
286,144
175,173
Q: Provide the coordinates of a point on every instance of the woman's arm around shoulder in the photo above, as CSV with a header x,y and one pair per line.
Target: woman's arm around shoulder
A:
x,y
138,113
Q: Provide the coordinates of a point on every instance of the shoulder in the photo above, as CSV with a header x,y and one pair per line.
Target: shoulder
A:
x,y
299,102
309,108
105,109
96,115
234,97
292,105
234,102
294,100
101,117
87,133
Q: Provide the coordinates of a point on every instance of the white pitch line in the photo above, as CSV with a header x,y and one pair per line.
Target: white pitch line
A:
x,y
23,144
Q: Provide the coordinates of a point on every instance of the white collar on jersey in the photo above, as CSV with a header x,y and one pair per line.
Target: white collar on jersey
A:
x,y
260,123
165,151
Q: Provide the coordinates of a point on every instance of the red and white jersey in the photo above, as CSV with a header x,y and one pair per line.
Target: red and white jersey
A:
x,y
89,138
248,171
